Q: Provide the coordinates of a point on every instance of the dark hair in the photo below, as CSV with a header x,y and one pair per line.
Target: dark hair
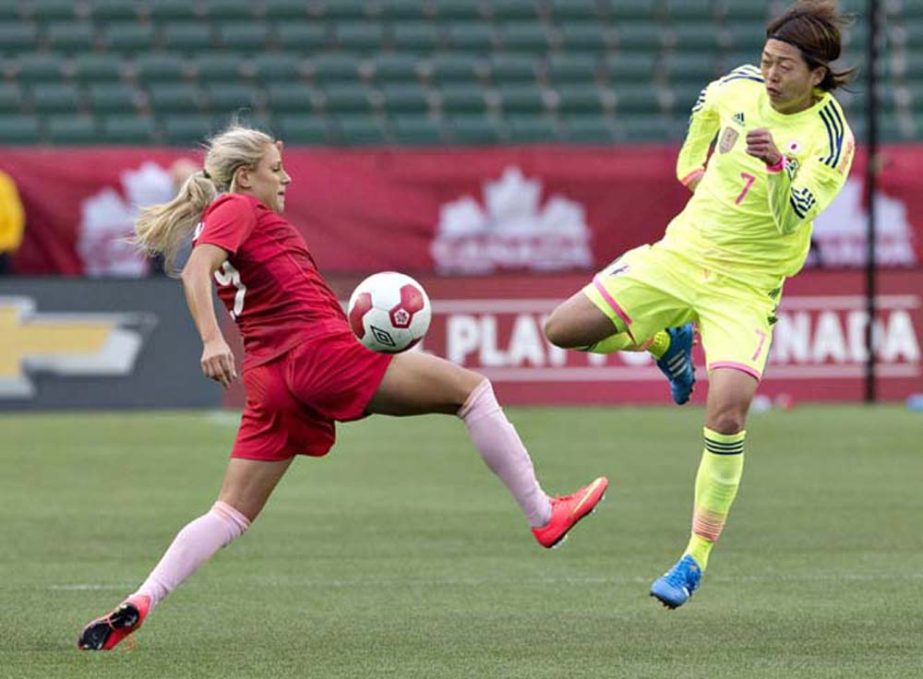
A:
x,y
813,26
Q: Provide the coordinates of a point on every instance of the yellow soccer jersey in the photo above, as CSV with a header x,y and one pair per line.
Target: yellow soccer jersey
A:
x,y
744,219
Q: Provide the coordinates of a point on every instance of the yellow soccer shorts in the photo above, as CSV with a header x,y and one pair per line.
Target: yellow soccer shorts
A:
x,y
653,287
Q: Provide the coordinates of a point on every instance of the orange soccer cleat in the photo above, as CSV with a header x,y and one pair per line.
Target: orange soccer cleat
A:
x,y
106,632
567,510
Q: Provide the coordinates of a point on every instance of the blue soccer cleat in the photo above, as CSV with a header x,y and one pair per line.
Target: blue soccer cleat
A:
x,y
676,363
674,587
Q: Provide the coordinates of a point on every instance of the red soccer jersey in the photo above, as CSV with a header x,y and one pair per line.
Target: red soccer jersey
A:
x,y
269,283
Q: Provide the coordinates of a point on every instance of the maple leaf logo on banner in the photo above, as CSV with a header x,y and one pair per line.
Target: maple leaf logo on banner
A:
x,y
107,219
512,231
840,230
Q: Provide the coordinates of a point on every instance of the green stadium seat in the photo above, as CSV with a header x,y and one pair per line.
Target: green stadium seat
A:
x,y
55,97
153,67
586,36
39,67
641,35
132,38
579,98
473,36
644,128
754,11
405,97
731,60
71,36
52,10
521,97
564,67
172,10
588,129
683,96
462,98
224,10
187,37
360,130
97,66
347,97
212,67
113,97
229,97
632,67
396,67
16,36
745,36
525,36
129,129
473,129
417,130
531,129
619,10
415,36
513,68
9,11
19,129
335,67
694,10
691,35
301,37
285,9
103,11
503,10
175,97
401,10
186,130
635,99
304,129
698,67
72,129
10,98
455,67
277,66
359,36
345,9
575,9
287,96
243,36
453,10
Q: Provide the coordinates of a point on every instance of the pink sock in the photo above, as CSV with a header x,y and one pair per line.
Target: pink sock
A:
x,y
500,446
193,545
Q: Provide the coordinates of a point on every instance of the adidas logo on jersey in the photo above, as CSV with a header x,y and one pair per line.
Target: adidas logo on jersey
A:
x,y
739,118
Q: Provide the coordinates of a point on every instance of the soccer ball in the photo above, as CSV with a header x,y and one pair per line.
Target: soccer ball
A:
x,y
389,312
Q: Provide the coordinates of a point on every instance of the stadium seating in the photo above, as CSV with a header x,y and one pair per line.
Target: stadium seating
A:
x,y
399,71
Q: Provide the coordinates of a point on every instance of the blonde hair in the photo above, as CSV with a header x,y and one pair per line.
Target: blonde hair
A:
x,y
164,227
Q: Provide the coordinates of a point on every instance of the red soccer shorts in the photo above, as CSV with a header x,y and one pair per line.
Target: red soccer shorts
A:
x,y
294,400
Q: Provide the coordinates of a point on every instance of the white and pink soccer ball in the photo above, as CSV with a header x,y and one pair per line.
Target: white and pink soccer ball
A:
x,y
389,312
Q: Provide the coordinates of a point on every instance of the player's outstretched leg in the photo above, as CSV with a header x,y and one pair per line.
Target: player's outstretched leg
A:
x,y
568,510
674,587
676,363
105,633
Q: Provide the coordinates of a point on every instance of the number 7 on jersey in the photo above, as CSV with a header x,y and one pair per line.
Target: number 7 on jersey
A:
x,y
748,182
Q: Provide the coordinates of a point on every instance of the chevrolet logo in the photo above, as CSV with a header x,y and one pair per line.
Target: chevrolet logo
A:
x,y
67,344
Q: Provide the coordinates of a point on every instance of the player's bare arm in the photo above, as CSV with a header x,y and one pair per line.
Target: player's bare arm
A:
x,y
761,145
217,359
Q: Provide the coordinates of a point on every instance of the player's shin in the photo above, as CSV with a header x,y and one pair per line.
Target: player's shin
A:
x,y
193,546
656,345
503,451
716,486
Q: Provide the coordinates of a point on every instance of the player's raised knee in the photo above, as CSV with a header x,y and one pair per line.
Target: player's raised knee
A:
x,y
557,330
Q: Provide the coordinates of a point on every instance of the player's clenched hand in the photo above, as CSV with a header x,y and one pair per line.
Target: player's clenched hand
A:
x,y
218,361
760,145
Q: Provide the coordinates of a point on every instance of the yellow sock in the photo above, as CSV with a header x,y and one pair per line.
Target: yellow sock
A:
x,y
656,345
716,486
659,344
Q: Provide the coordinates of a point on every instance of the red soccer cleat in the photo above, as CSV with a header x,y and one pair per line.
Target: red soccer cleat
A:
x,y
567,510
105,633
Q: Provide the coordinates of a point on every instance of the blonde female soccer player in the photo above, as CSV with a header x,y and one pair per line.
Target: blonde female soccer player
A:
x,y
303,369
782,152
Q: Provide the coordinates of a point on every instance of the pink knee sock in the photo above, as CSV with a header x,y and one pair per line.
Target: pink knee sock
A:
x,y
193,546
502,450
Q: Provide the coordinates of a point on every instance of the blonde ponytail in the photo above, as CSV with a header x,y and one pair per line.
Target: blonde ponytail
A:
x,y
165,227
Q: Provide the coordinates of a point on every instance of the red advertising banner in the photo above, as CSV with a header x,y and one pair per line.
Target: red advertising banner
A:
x,y
494,325
456,211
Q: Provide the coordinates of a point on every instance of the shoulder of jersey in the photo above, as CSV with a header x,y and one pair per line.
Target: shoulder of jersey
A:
x,y
836,130
743,74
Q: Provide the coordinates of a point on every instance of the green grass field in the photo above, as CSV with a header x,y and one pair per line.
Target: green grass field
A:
x,y
401,556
